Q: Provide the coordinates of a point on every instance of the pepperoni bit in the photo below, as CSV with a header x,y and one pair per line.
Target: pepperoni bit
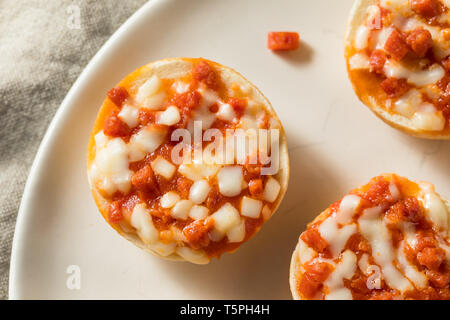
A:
x,y
359,288
425,240
118,95
408,209
426,8
144,180
146,117
313,239
115,212
183,187
196,233
238,105
205,73
283,41
187,100
396,45
255,186
114,127
313,277
438,279
378,192
420,41
431,258
377,60
357,243
394,87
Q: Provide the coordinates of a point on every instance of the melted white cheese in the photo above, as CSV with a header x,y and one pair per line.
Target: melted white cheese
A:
x,y
251,207
163,167
142,221
147,140
199,191
198,171
305,253
408,104
428,118
169,199
344,270
380,37
148,95
237,233
226,218
373,228
226,112
436,210
198,212
111,167
181,209
336,237
271,190
415,276
347,208
362,37
359,61
169,117
129,115
433,74
230,180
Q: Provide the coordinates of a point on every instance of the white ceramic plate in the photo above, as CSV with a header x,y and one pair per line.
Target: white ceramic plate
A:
x,y
335,144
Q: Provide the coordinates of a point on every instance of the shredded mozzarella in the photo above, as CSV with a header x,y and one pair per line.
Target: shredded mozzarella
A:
x,y
199,191
251,207
129,115
230,180
142,221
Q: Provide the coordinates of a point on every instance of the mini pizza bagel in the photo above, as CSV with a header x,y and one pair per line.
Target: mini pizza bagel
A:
x,y
389,239
171,203
398,61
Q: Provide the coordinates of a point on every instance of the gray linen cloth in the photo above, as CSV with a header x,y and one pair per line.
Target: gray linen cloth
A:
x,y
42,52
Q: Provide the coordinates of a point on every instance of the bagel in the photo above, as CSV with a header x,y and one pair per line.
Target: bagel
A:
x,y
397,55
172,203
389,239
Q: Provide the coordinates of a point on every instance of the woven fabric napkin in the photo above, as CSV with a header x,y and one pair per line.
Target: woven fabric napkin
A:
x,y
44,45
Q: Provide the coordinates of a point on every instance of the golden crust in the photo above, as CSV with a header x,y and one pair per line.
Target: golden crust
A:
x,y
177,68
294,276
356,18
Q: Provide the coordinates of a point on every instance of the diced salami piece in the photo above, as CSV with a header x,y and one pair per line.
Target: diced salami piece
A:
x,y
283,41
426,8
205,73
118,95
394,87
420,41
396,45
377,60
115,212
